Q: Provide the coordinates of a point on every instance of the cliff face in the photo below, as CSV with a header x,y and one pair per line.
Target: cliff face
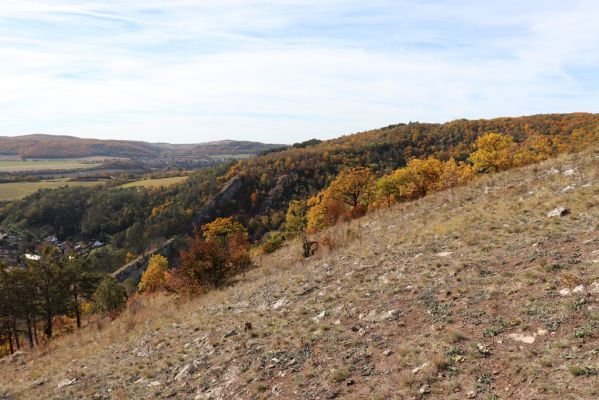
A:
x,y
136,267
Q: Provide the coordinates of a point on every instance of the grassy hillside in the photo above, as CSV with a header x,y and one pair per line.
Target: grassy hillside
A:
x,y
473,292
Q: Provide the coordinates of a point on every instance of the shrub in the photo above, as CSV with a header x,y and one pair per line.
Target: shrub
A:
x,y
110,297
272,242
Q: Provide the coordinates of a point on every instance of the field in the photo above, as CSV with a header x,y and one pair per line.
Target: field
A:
x,y
43,165
17,190
149,183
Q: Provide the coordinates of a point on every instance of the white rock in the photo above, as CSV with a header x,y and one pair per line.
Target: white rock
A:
x,y
565,292
578,289
319,317
558,212
594,287
444,254
183,372
420,368
522,338
279,303
66,382
552,171
569,172
568,188
154,383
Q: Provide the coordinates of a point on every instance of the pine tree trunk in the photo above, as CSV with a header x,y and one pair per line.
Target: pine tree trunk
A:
x,y
12,349
29,332
37,342
16,334
77,312
48,328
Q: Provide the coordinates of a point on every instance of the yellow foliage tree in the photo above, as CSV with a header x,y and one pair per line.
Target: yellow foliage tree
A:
x,y
534,149
223,229
154,277
455,174
494,152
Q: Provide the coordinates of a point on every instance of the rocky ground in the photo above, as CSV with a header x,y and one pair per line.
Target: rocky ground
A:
x,y
490,291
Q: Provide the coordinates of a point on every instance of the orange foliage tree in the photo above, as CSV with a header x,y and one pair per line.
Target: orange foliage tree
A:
x,y
214,257
347,197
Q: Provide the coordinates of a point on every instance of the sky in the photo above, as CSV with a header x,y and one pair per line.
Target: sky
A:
x,y
284,71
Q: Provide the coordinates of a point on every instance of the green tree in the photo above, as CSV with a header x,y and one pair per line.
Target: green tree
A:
x,y
110,297
295,219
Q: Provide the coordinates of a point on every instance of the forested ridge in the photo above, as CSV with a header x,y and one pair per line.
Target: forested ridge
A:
x,y
132,219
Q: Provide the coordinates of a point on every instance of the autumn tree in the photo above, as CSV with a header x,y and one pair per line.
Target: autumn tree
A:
x,y
347,197
215,254
455,174
154,277
534,149
223,229
494,152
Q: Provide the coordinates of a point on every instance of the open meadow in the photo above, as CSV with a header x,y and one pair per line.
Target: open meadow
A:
x,y
44,165
159,182
17,190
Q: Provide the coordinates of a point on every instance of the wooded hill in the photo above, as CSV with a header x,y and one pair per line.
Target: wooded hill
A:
x,y
50,146
257,191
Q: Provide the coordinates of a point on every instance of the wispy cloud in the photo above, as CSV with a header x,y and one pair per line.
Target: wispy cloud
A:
x,y
183,70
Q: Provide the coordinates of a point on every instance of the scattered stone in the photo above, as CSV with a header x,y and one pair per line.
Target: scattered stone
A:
x,y
319,317
471,394
569,172
424,389
578,289
17,356
184,371
568,188
349,382
552,171
230,333
484,350
528,339
38,382
594,287
420,368
558,212
387,353
565,292
444,254
280,303
154,383
66,382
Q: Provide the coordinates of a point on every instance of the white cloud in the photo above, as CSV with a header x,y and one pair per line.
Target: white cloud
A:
x,y
186,71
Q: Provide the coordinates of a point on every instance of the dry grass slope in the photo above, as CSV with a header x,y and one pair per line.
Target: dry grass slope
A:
x,y
468,293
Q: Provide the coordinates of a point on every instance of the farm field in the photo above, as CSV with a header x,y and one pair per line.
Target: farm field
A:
x,y
17,190
149,183
39,165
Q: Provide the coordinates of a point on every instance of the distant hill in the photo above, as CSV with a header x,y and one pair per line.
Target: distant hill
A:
x,y
52,146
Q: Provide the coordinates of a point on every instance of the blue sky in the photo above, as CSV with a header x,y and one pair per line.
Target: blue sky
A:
x,y
287,70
